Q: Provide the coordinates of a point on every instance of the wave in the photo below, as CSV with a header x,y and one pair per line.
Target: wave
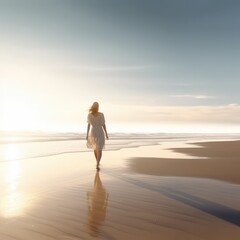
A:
x,y
25,137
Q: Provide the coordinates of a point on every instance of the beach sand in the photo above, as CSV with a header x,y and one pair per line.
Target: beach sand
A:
x,y
148,192
214,160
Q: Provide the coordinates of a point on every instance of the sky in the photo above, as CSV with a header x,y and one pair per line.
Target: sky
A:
x,y
153,65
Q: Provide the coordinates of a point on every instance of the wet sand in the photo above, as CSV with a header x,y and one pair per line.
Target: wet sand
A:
x,y
214,160
64,197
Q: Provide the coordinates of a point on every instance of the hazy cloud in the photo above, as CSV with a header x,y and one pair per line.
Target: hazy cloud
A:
x,y
108,68
224,114
193,96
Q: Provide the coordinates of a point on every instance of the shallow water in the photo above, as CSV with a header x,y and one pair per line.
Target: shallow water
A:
x,y
34,145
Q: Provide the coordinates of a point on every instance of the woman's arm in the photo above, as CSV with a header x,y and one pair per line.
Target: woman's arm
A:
x,y
105,130
88,127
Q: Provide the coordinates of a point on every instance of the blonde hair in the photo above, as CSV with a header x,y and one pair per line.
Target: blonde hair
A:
x,y
94,108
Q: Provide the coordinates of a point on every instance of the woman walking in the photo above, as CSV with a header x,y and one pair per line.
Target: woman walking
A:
x,y
96,138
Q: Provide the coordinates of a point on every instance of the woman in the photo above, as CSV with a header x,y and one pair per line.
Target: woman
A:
x,y
96,138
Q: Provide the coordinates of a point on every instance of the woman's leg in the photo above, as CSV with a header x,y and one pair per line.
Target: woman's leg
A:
x,y
99,156
95,153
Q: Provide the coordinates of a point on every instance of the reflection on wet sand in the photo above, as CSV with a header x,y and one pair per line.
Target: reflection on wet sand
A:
x,y
13,201
97,206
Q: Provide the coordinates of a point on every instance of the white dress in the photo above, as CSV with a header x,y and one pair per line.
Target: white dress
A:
x,y
96,138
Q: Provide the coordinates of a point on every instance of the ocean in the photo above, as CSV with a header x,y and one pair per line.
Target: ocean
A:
x,y
25,145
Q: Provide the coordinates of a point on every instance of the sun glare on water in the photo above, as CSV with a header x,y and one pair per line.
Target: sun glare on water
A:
x,y
14,201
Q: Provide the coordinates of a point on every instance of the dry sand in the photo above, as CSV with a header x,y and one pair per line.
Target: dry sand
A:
x,y
132,197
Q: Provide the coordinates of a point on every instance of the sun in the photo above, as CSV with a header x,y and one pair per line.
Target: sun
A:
x,y
17,114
